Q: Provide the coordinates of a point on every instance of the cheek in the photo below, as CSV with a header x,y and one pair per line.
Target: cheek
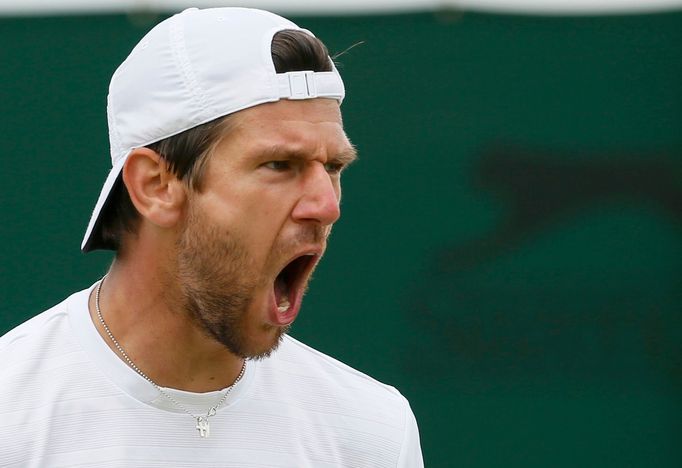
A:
x,y
255,213
271,206
239,210
260,225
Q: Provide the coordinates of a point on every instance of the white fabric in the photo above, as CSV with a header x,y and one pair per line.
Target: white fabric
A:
x,y
192,68
67,400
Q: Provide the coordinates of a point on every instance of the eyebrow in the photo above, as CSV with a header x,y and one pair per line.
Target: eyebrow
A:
x,y
345,157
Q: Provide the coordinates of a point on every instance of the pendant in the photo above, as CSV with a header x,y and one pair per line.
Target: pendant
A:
x,y
203,427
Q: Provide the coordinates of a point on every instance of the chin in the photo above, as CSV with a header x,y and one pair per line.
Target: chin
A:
x,y
261,349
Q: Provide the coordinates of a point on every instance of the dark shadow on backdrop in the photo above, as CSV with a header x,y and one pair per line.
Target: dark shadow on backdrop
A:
x,y
526,331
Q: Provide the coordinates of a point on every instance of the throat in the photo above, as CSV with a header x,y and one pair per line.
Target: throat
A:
x,y
164,348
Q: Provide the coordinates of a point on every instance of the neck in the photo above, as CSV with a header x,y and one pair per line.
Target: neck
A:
x,y
142,311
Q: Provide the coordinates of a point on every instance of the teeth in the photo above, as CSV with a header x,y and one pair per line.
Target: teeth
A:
x,y
283,305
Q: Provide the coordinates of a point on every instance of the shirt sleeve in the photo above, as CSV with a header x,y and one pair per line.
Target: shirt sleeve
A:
x,y
411,452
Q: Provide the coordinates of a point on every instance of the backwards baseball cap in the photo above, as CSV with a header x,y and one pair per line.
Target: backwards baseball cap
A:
x,y
192,68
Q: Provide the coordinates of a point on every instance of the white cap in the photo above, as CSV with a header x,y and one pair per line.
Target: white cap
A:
x,y
192,68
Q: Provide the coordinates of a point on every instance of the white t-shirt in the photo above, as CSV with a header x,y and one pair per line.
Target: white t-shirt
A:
x,y
67,400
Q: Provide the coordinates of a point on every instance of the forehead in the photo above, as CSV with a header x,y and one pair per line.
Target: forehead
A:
x,y
308,126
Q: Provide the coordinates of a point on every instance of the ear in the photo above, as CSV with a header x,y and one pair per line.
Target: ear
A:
x,y
157,194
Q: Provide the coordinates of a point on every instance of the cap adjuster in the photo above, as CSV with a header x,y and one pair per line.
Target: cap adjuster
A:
x,y
302,85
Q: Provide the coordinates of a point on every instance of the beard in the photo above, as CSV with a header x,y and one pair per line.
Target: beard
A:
x,y
218,281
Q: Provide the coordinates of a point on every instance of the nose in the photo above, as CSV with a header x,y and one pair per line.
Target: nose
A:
x,y
320,199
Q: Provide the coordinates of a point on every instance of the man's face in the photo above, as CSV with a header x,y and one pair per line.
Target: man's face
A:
x,y
254,233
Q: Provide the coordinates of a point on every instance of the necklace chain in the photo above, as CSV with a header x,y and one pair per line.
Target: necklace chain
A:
x,y
202,420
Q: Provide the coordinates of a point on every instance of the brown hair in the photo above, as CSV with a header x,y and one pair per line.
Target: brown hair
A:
x,y
187,153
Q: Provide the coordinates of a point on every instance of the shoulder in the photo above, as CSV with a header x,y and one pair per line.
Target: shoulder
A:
x,y
363,411
298,359
304,371
37,341
34,328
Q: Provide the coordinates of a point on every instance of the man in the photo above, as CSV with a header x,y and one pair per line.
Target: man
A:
x,y
227,148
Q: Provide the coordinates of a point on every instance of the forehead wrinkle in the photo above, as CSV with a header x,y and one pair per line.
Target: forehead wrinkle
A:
x,y
291,138
283,151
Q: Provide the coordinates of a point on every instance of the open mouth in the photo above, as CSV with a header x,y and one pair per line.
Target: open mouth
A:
x,y
290,282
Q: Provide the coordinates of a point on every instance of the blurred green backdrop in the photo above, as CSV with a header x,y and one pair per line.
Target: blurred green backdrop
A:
x,y
509,255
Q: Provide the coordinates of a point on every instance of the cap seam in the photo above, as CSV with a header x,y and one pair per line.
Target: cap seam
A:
x,y
189,78
114,136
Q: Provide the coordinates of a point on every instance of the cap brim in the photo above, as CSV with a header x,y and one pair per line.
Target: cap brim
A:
x,y
91,240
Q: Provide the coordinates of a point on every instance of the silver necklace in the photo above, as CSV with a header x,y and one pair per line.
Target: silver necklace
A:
x,y
203,425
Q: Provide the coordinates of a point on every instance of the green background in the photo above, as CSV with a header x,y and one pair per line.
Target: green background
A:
x,y
509,254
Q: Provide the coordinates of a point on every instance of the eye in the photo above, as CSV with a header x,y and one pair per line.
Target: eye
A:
x,y
334,167
279,166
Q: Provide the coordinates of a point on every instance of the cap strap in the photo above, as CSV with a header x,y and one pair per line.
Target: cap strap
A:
x,y
309,85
